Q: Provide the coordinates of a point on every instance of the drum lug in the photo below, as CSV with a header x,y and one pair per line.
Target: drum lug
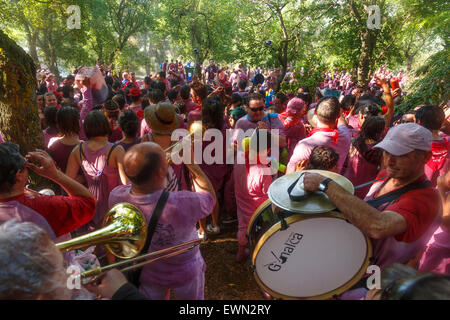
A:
x,y
284,225
252,267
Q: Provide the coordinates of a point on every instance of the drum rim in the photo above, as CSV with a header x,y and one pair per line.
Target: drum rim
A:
x,y
255,214
299,217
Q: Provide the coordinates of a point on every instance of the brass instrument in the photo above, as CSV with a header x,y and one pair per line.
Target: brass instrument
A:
x,y
194,128
124,235
92,275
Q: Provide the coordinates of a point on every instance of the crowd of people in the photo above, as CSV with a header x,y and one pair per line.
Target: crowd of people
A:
x,y
116,151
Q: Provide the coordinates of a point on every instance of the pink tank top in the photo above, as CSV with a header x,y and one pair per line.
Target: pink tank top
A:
x,y
100,177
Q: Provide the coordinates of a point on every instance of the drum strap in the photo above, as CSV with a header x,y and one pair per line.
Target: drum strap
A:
x,y
394,195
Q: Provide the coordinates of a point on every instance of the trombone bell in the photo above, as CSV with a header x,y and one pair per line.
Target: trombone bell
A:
x,y
124,233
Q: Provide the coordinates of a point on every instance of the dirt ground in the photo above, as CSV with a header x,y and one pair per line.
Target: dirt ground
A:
x,y
227,279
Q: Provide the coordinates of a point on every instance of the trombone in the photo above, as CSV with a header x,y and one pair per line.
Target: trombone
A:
x,y
124,235
166,253
195,127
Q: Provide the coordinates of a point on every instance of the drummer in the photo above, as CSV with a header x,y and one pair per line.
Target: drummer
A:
x,y
400,226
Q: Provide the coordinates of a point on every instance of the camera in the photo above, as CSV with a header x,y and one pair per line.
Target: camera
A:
x,y
195,50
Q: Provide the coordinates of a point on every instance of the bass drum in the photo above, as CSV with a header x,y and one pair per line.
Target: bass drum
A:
x,y
318,256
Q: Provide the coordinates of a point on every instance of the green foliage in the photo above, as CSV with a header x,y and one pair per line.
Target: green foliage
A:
x,y
308,72
433,86
139,34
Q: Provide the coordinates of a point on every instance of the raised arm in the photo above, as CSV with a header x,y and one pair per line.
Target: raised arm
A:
x,y
48,170
388,99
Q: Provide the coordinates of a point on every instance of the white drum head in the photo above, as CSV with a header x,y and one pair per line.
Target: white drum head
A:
x,y
314,258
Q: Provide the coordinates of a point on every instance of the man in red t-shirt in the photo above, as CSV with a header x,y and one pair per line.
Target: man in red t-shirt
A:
x,y
399,227
63,213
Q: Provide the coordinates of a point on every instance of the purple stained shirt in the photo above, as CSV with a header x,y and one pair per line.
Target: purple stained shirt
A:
x,y
48,134
87,103
360,171
194,115
304,147
293,135
15,210
190,105
60,152
146,129
176,225
436,257
212,71
271,120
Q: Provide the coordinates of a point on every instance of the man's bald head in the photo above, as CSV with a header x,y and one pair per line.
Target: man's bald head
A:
x,y
143,162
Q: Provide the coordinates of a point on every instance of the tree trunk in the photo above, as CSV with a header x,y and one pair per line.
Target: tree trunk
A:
x,y
368,42
19,120
283,59
32,45
410,59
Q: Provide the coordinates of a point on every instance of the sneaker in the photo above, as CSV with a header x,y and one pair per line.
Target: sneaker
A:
x,y
201,235
229,219
212,230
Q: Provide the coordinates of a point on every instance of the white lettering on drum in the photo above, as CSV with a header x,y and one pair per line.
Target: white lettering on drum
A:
x,y
289,247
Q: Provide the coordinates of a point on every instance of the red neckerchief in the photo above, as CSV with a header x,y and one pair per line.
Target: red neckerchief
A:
x,y
440,152
288,119
335,136
140,114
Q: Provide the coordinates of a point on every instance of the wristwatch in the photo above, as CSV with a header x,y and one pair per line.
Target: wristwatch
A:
x,y
323,186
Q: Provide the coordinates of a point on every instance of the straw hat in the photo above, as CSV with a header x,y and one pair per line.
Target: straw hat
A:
x,y
162,118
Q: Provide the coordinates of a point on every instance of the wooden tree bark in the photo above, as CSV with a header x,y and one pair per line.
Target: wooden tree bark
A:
x,y
368,43
19,121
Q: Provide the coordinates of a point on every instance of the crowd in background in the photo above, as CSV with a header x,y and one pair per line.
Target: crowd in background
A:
x,y
338,127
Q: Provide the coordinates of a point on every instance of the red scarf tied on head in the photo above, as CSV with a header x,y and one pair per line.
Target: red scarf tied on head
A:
x,y
288,119
335,136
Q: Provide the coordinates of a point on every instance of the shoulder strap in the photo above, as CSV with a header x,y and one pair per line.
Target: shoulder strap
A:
x,y
154,219
81,152
393,195
110,151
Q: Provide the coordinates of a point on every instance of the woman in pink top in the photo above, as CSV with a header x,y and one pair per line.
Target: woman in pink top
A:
x,y
364,160
101,162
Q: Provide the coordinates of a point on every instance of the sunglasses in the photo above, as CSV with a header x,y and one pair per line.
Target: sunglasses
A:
x,y
257,109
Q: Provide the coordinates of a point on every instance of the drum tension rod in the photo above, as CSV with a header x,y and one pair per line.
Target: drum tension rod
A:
x,y
284,225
